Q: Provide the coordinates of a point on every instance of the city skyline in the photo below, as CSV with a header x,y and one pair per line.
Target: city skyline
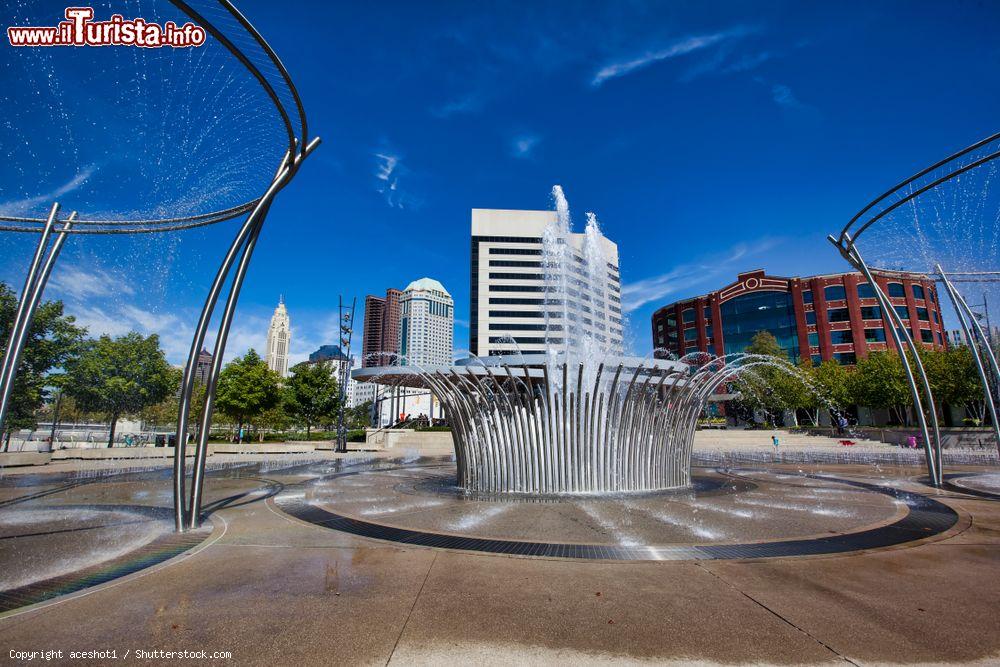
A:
x,y
634,120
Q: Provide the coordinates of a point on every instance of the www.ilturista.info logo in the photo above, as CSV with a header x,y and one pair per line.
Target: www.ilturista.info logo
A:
x,y
79,29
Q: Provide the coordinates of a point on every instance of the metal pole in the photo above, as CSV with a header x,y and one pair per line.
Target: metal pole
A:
x,y
341,392
896,327
258,215
961,309
201,451
188,379
346,324
29,303
55,418
989,328
29,283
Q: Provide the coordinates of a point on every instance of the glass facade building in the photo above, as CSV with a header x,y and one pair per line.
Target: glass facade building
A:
x,y
829,317
745,315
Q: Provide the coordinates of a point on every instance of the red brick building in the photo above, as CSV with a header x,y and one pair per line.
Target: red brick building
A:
x,y
824,317
381,338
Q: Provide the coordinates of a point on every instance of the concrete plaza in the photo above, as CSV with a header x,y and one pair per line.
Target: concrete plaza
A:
x,y
270,588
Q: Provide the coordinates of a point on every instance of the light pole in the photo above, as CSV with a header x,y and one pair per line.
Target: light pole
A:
x,y
346,317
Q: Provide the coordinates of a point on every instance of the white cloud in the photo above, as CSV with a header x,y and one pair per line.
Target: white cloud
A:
x,y
524,146
637,294
388,170
386,166
721,63
28,204
101,301
678,48
114,319
81,282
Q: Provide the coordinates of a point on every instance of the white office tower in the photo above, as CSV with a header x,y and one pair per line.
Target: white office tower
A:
x,y
426,338
539,287
279,338
426,324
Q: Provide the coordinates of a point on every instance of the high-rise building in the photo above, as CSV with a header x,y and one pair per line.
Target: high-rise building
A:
x,y
332,356
427,323
372,341
508,286
833,316
381,329
957,336
203,366
390,321
279,338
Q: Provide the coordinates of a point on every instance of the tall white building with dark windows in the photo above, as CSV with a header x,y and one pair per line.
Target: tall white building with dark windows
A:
x,y
426,338
508,287
426,323
279,338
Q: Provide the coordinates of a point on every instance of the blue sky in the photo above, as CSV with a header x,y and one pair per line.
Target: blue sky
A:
x,y
709,139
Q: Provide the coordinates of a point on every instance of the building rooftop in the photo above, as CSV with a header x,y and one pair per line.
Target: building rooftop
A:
x,y
328,353
427,284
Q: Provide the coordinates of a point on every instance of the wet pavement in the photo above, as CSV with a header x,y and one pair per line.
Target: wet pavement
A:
x,y
270,588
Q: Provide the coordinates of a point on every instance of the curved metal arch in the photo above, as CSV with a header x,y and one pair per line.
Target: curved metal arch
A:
x,y
239,55
846,244
300,108
187,512
36,225
186,515
979,345
845,233
31,294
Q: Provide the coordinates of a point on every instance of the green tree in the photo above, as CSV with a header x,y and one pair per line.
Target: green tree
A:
x,y
359,416
276,418
52,339
119,376
771,387
165,412
247,388
953,377
313,395
764,342
835,382
880,381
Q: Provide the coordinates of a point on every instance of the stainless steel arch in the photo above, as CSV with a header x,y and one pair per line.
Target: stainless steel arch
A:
x,y
187,509
980,153
187,512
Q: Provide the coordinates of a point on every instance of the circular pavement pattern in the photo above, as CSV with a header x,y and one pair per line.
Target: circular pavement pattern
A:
x,y
725,515
63,549
984,485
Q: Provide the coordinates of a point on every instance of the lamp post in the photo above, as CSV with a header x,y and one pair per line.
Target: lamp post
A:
x,y
346,318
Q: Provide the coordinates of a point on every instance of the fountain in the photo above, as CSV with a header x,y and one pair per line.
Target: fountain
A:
x,y
581,417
